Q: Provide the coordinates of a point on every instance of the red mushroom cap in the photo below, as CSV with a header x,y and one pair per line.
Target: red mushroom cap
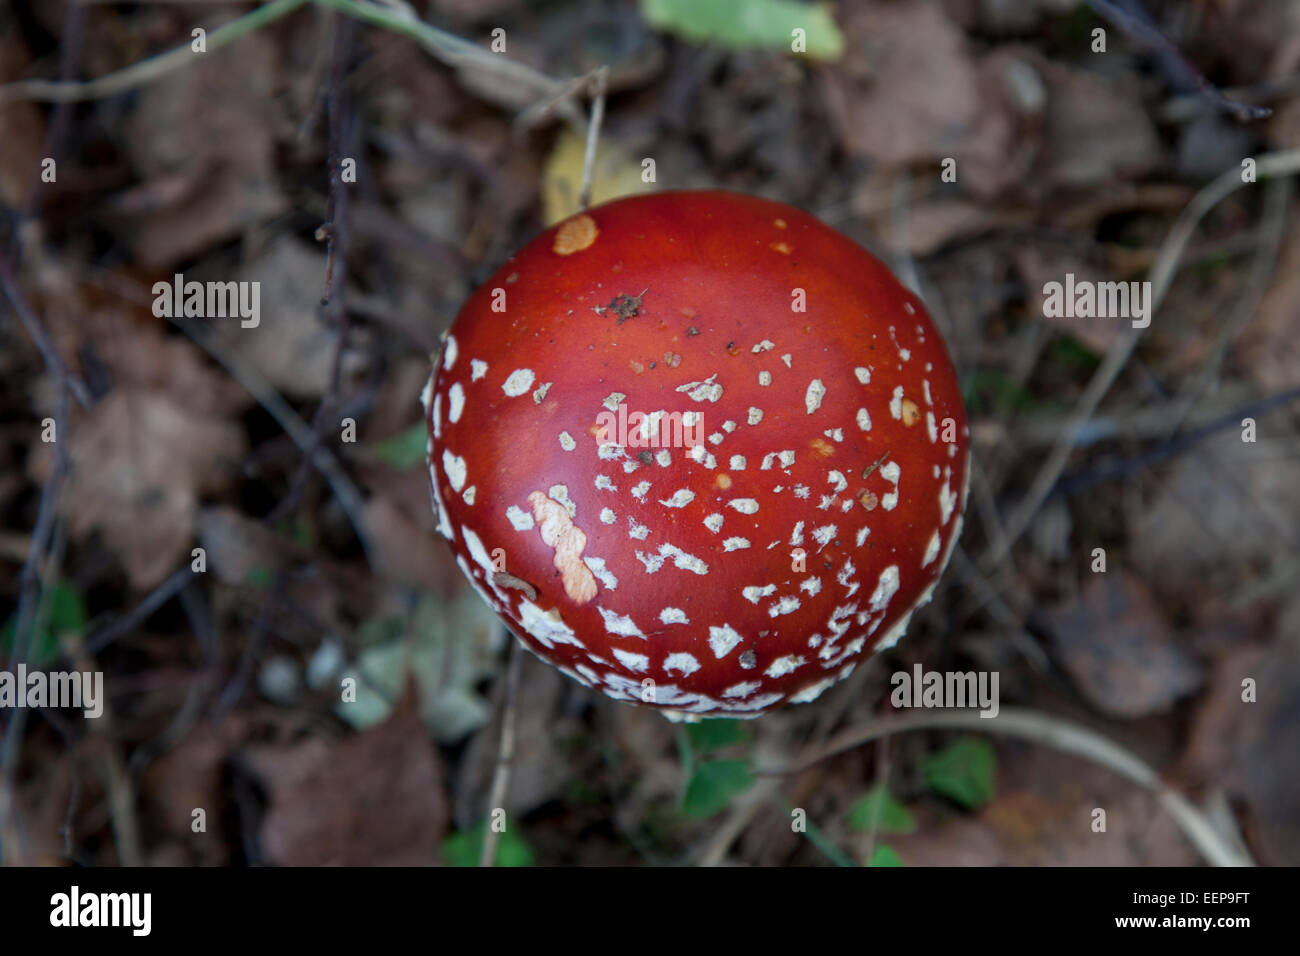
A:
x,y
804,467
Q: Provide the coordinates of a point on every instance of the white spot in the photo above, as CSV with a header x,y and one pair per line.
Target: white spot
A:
x,y
437,414
735,544
547,626
604,483
786,359
673,615
785,665
787,458
813,691
765,378
560,494
723,640
753,593
863,375
455,468
931,549
680,499
716,438
470,492
567,442
886,588
796,536
638,531
705,391
802,491
823,536
864,420
713,522
837,479
477,369
664,458
743,689
763,346
539,394
785,605
746,506
687,562
931,428
812,398
737,462
456,402
925,387
755,415
891,473
812,586
686,663
603,575
728,426
896,403
835,434
521,519
862,535
449,353
607,516
520,381
613,400
619,624
947,498
639,491
633,662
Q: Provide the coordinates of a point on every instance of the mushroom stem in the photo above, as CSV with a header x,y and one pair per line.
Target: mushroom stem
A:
x,y
1064,736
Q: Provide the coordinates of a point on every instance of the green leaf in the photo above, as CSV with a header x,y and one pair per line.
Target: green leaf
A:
x,y
465,848
404,450
713,785
889,815
963,771
62,611
749,24
885,855
715,734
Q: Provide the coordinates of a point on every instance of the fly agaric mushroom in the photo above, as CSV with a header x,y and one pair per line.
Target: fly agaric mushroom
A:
x,y
698,450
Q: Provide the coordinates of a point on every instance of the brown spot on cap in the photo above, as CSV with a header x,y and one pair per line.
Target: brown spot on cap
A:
x,y
575,235
822,447
780,247
911,414
723,481
559,532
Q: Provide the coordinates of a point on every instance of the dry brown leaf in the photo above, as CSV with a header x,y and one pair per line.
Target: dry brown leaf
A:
x,y
1118,648
139,463
375,798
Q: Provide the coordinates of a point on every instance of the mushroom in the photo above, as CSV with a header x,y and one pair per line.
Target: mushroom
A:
x,y
698,450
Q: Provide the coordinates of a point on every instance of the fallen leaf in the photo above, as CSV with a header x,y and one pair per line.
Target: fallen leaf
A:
x,y
375,798
1119,650
139,463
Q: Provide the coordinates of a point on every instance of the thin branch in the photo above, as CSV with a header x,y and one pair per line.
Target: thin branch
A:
x,y
599,81
1141,31
1282,163
505,752
1056,733
146,71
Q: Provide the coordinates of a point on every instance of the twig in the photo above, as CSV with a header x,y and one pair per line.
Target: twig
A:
x,y
1052,732
335,271
146,71
155,599
505,753
598,83
1141,31
1282,163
